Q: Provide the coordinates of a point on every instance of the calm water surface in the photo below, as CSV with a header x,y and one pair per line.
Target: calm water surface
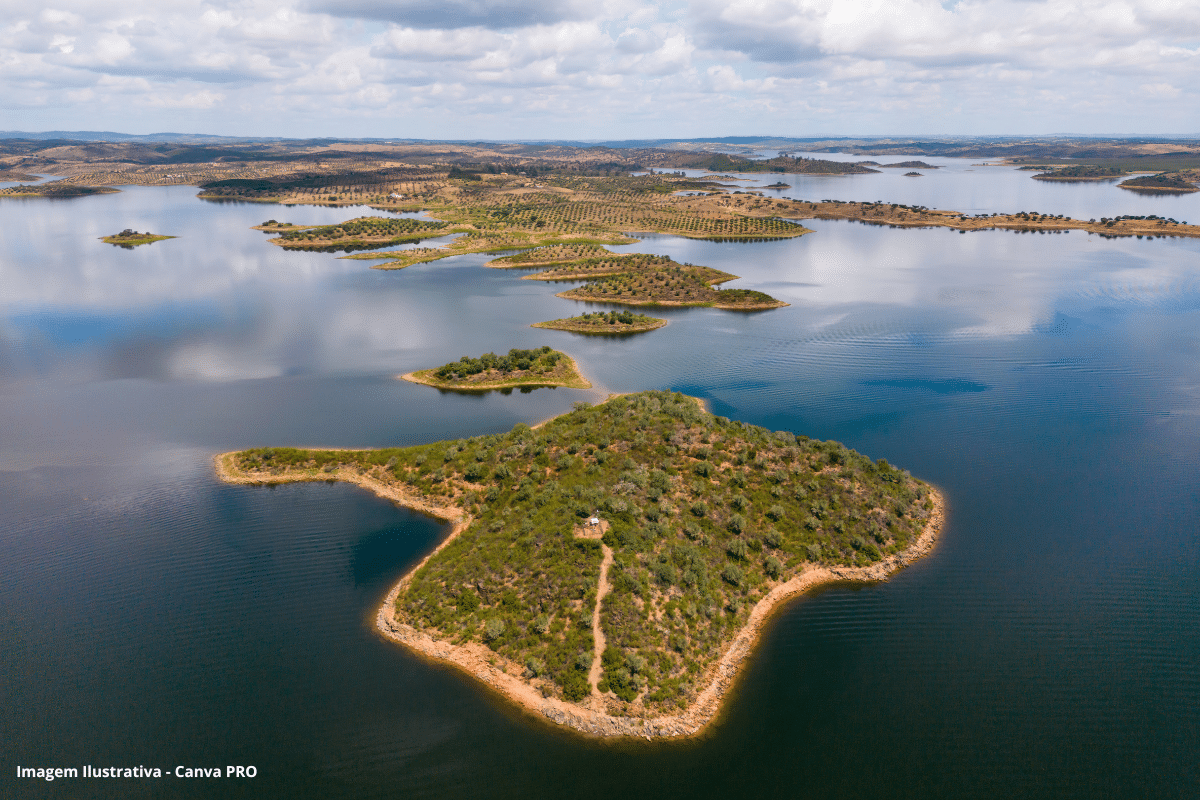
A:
x,y
1050,384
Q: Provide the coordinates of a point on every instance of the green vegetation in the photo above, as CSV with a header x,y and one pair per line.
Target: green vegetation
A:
x,y
636,279
130,239
721,162
529,368
55,189
1163,182
552,255
908,165
1080,172
613,322
647,280
506,212
704,516
361,234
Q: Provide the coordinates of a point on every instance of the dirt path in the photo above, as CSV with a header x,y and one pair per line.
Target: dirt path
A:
x,y
598,634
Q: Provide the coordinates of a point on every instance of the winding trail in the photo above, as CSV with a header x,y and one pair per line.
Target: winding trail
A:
x,y
598,634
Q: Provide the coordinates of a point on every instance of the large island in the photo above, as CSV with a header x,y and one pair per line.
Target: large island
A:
x,y
613,567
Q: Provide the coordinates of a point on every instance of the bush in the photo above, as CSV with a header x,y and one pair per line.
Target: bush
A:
x,y
775,512
772,567
467,601
732,575
493,629
699,509
771,538
737,523
534,666
737,549
574,685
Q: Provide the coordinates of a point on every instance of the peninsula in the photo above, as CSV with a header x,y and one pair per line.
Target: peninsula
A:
x,y
612,568
54,189
520,368
614,323
363,233
636,279
130,239
1165,182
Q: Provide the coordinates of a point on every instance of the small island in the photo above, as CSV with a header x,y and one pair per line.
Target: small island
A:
x,y
531,369
913,175
612,569
130,239
272,226
909,165
601,323
1081,172
1164,182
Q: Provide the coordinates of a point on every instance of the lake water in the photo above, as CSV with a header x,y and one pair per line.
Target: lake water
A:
x,y
1049,384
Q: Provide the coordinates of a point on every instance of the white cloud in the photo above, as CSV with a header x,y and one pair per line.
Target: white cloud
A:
x,y
372,67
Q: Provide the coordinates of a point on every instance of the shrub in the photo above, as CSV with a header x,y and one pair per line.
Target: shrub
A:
x,y
737,549
574,685
737,523
467,601
534,666
771,538
493,629
699,509
775,512
583,661
772,567
733,575
542,624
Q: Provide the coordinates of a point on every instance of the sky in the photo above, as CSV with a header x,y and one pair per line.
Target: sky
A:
x,y
601,69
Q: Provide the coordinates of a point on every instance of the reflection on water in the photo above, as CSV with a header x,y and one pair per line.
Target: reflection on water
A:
x,y
1047,383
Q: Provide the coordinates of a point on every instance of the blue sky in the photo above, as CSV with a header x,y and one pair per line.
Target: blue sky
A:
x,y
593,69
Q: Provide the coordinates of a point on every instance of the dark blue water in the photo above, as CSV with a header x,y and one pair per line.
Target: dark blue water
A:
x,y
150,615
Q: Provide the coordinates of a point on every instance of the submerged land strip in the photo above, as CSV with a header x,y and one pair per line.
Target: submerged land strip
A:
x,y
612,569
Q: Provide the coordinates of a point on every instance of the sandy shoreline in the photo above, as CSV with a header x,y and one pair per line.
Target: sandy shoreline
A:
x,y
588,718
